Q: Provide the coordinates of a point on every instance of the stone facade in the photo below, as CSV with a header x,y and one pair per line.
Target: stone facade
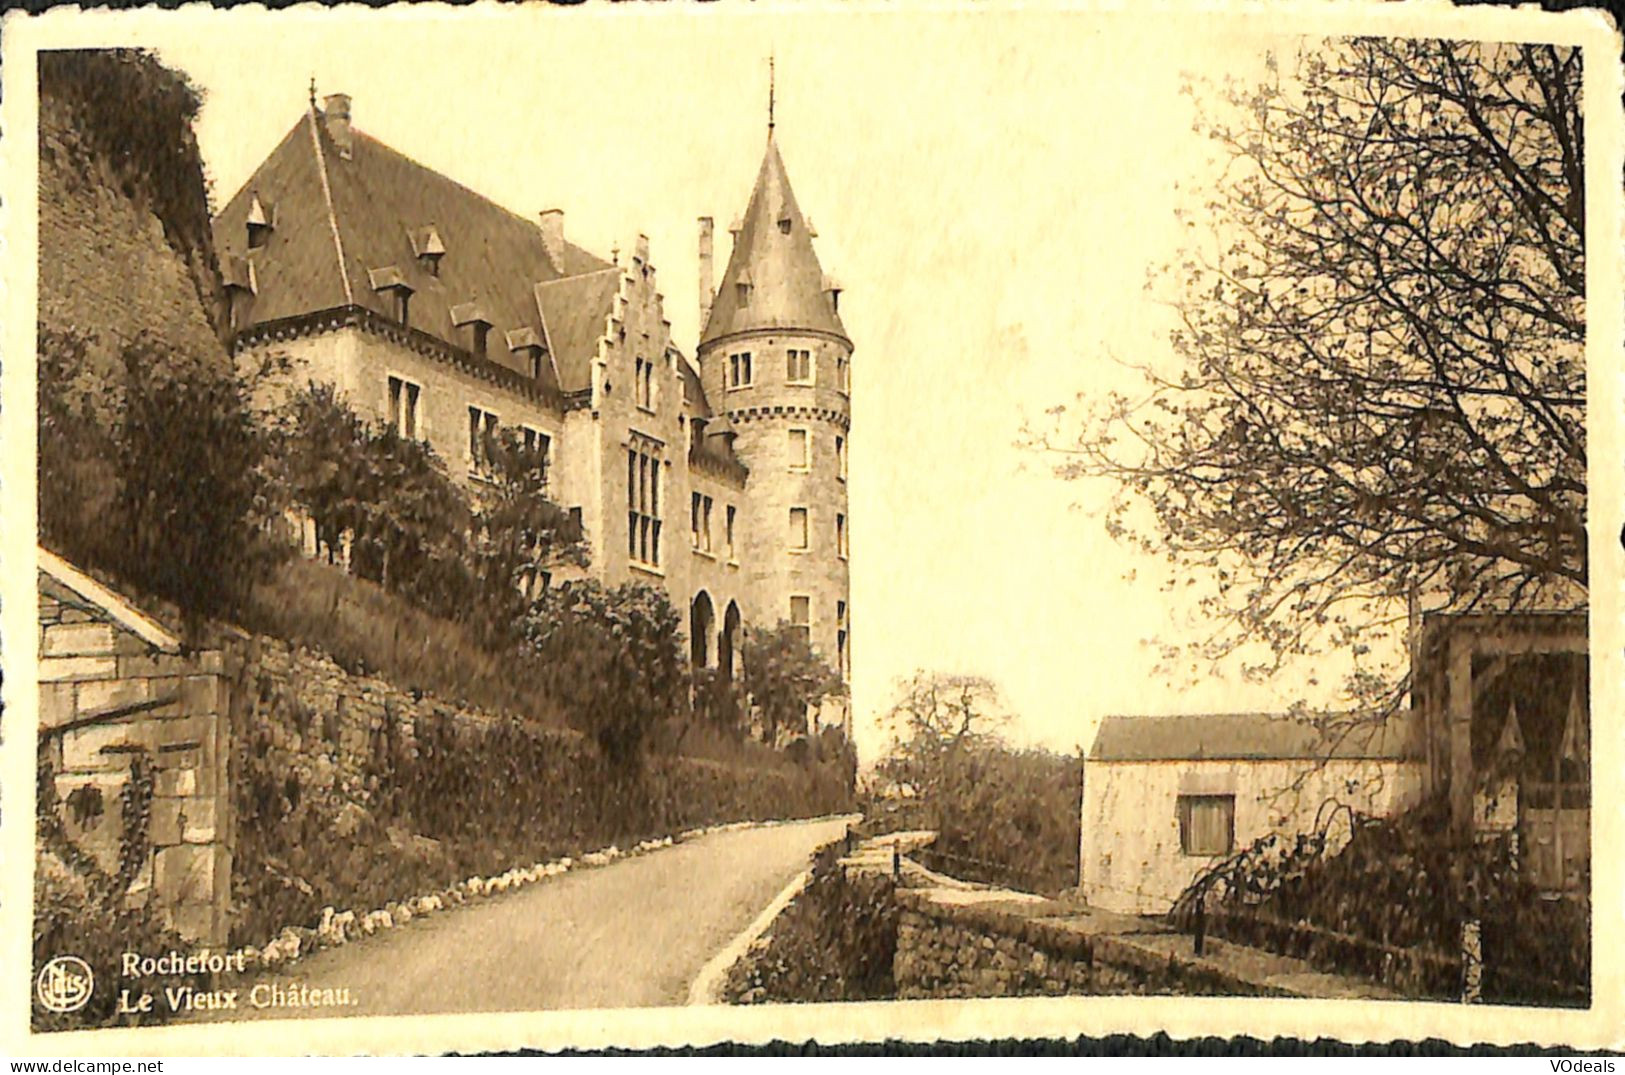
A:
x,y
682,477
116,691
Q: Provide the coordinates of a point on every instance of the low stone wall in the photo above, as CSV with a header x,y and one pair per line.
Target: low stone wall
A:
x,y
962,942
973,952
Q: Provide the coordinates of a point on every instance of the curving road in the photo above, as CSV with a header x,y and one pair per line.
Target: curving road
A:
x,y
635,933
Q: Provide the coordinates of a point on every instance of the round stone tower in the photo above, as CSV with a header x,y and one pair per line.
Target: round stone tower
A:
x,y
775,362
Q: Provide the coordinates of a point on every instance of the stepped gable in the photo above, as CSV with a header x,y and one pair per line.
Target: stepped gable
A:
x,y
377,204
772,254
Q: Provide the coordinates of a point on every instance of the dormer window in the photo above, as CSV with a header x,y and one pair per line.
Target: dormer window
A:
x,y
428,247
261,220
833,289
784,225
742,289
471,317
527,348
393,288
237,275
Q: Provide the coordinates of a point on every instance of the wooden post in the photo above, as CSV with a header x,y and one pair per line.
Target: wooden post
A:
x,y
1460,724
1201,921
1557,815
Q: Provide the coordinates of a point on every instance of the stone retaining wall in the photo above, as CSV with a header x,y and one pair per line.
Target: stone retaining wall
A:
x,y
117,694
958,952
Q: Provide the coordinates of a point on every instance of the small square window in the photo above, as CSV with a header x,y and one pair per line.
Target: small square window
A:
x,y
800,444
1207,824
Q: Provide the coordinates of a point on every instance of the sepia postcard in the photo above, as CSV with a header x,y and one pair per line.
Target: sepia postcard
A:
x,y
617,527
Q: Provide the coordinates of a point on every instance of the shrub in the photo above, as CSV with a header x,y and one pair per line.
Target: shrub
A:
x,y
468,556
1389,903
785,678
835,941
614,661
80,909
155,473
1004,816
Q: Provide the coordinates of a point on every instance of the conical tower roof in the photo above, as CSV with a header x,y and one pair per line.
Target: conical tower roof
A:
x,y
773,254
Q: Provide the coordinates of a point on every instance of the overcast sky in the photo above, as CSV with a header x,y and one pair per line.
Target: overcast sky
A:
x,y
992,191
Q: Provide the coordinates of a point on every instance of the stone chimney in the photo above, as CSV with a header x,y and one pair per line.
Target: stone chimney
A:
x,y
707,292
336,117
553,237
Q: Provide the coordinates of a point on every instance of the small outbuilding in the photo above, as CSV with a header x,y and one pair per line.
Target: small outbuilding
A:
x,y
1164,797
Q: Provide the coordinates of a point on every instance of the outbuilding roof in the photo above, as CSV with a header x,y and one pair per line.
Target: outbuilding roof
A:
x,y
1248,736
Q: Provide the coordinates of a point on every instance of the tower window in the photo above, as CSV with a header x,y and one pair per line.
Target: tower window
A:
x,y
644,384
784,225
798,530
800,449
840,458
403,407
701,512
801,615
842,650
798,366
481,331
840,536
739,372
742,290
729,532
843,374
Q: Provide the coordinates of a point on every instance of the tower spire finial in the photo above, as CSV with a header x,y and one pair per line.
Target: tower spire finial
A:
x,y
313,92
771,92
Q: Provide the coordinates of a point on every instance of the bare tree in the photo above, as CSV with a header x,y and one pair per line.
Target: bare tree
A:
x,y
1380,392
937,718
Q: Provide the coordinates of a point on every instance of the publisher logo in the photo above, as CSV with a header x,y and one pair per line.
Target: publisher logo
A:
x,y
64,984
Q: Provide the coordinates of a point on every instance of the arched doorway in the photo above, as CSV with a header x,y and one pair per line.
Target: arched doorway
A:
x,y
701,622
728,642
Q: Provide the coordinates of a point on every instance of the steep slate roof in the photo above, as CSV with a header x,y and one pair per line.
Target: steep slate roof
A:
x,y
576,311
377,200
787,283
1244,736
